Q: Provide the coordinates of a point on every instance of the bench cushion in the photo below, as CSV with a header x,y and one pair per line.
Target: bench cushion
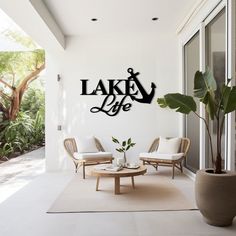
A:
x,y
156,155
92,155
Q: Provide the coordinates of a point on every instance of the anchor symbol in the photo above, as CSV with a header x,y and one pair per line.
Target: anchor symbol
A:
x,y
146,98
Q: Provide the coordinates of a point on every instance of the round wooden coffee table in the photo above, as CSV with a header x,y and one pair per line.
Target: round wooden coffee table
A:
x,y
117,175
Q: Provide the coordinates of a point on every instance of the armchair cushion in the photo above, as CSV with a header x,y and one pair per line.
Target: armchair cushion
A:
x,y
169,146
92,155
159,156
86,144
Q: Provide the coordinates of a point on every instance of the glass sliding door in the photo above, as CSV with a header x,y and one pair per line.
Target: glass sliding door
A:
x,y
191,65
215,60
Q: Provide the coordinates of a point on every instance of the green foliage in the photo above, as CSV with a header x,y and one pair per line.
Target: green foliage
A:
x,y
182,103
33,102
21,134
124,145
15,66
1,116
223,101
115,140
38,129
229,99
20,38
6,150
204,83
204,89
18,132
27,130
218,101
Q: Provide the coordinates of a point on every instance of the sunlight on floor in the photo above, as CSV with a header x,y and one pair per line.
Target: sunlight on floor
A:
x,y
20,171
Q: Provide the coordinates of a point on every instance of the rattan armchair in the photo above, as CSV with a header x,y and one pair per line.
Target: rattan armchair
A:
x,y
100,157
157,160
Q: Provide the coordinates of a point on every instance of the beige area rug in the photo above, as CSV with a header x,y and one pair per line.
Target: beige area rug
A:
x,y
151,193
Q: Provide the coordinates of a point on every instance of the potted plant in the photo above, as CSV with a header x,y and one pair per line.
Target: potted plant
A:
x,y
124,146
215,189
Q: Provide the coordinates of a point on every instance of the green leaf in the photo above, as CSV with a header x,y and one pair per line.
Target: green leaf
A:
x,y
162,102
129,141
124,143
229,99
128,147
204,83
115,140
132,144
204,88
209,101
182,103
225,90
119,150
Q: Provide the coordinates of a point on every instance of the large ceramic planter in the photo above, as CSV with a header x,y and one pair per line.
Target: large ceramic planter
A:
x,y
216,197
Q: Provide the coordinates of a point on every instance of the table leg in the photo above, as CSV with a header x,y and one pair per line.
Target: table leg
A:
x,y
97,184
117,185
132,178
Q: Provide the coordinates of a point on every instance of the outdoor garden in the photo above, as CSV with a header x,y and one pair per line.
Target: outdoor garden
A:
x,y
22,99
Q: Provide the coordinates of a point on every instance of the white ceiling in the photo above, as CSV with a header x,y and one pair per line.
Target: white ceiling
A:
x,y
118,16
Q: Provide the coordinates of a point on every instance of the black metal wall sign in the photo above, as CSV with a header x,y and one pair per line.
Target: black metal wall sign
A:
x,y
128,88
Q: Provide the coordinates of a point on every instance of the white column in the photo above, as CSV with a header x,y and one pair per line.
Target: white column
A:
x,y
202,141
230,128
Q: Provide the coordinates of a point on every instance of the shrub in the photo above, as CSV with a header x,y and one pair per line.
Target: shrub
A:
x,y
27,131
38,128
33,101
18,133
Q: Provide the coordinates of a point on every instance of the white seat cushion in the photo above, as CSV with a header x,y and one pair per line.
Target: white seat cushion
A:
x,y
156,155
92,155
169,146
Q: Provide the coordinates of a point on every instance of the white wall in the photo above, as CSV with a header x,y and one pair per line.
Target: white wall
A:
x,y
109,57
52,136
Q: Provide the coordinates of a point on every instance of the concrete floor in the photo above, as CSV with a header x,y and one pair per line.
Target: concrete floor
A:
x,y
19,171
24,214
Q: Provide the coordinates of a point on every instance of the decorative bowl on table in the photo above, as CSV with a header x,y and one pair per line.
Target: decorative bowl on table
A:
x,y
132,165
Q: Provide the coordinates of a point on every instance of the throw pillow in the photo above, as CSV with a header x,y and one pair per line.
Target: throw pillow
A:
x,y
169,146
86,145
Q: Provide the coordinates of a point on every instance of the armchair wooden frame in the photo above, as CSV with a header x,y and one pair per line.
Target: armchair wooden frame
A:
x,y
155,162
71,148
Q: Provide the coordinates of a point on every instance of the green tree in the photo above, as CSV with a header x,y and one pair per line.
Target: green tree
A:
x,y
17,71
